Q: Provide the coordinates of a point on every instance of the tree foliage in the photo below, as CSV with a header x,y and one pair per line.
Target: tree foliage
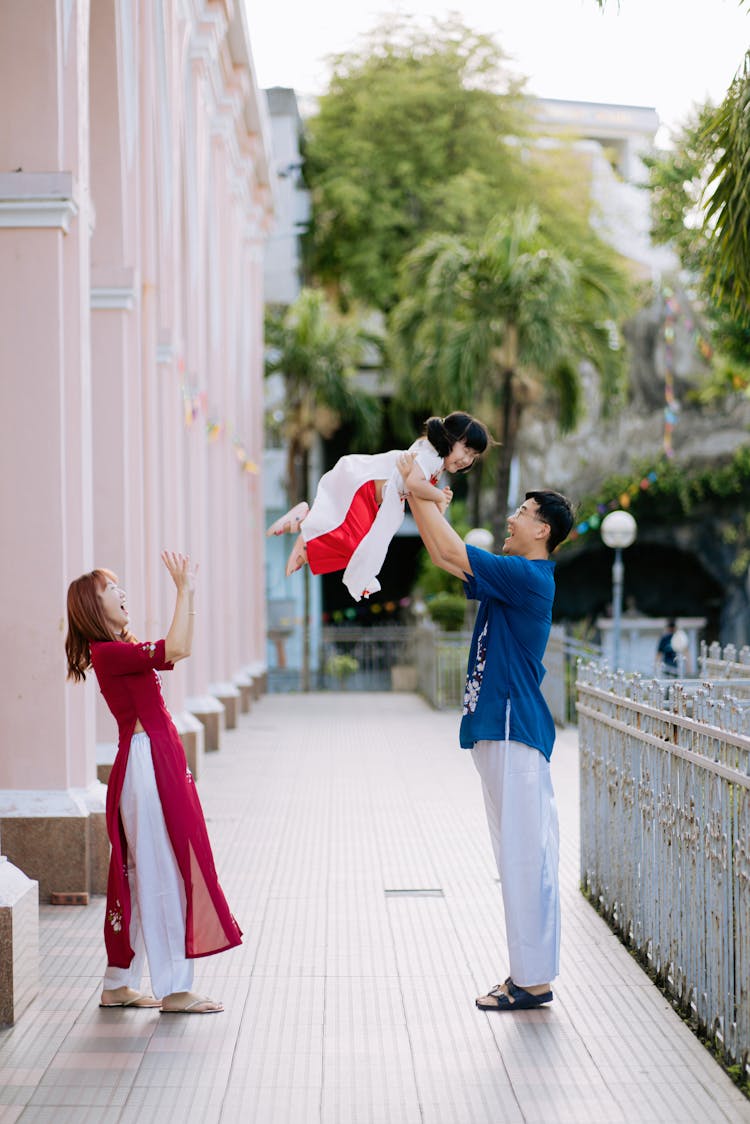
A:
x,y
728,195
679,182
411,137
318,352
502,321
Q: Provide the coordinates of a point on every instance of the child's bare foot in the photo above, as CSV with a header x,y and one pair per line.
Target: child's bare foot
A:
x,y
289,523
298,558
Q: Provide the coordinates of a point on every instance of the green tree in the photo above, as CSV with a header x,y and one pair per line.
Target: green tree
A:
x,y
504,320
679,181
411,137
727,215
715,156
318,353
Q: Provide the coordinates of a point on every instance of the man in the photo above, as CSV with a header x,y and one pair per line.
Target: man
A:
x,y
508,727
667,662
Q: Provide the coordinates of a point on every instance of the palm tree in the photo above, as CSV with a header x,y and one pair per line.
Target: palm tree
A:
x,y
504,321
318,355
727,215
727,203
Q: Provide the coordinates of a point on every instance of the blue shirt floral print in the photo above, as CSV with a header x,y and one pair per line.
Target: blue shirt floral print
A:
x,y
474,675
505,661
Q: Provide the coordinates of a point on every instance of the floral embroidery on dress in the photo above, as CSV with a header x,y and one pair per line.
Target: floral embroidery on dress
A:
x,y
188,776
149,649
474,679
114,917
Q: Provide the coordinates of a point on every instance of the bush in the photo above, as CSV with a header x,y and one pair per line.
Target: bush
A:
x,y
340,667
448,610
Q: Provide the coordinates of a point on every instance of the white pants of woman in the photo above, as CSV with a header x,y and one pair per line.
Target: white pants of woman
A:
x,y
522,818
157,892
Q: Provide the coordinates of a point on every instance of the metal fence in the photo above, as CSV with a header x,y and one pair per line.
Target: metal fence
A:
x,y
726,664
665,837
433,662
441,659
378,651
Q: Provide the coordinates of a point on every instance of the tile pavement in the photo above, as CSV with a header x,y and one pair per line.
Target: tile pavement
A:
x,y
350,839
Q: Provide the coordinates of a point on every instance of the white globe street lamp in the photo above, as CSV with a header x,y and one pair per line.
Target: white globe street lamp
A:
x,y
618,531
479,536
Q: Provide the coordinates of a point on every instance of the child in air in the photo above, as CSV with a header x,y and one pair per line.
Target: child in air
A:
x,y
359,504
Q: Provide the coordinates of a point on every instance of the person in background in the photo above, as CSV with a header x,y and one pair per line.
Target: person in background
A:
x,y
164,901
667,661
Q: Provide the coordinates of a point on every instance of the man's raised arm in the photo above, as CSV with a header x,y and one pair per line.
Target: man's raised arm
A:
x,y
445,548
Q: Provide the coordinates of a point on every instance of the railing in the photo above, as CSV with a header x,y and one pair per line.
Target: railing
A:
x,y
665,837
441,659
724,663
377,650
437,659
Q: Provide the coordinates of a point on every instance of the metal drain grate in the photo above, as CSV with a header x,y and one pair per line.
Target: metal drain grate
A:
x,y
415,892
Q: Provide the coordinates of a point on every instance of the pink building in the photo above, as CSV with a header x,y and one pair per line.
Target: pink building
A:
x,y
135,195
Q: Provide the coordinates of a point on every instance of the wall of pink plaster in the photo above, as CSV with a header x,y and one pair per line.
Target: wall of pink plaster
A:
x,y
130,351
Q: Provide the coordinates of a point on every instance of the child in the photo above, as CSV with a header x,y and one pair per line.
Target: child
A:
x,y
359,504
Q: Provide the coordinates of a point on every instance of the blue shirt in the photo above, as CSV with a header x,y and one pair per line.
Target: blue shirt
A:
x,y
505,662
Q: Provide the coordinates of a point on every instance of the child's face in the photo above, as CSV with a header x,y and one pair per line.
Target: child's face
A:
x,y
460,457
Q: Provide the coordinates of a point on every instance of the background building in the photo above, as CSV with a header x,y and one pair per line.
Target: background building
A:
x,y
283,281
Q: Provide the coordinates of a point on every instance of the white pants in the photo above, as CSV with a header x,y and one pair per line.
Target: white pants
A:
x,y
157,892
522,818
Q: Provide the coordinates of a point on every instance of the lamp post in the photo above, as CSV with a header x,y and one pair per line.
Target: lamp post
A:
x,y
618,531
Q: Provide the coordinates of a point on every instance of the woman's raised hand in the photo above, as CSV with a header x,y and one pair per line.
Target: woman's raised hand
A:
x,y
180,570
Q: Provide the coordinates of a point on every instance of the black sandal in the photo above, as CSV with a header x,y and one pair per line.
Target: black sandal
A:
x,y
517,999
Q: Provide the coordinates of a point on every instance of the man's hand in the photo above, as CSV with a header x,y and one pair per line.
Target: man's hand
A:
x,y
404,464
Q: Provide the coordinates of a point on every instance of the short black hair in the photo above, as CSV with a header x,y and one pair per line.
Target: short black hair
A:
x,y
443,433
557,512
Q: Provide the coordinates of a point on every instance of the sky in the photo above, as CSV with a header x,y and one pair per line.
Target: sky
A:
x,y
666,54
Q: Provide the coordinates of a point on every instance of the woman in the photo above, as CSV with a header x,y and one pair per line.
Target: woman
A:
x,y
164,902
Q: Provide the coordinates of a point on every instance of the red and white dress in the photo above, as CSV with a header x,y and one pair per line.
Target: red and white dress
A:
x,y
346,529
155,822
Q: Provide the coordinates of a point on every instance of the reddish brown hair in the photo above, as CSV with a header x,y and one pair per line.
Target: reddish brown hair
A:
x,y
86,621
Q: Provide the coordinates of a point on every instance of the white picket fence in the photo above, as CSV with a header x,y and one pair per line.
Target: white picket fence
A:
x,y
665,835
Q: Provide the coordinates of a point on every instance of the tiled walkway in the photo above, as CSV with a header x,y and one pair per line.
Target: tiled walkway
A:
x,y
350,838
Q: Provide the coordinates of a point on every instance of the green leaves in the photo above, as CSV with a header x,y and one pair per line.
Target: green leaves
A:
x,y
728,193
318,352
503,321
409,139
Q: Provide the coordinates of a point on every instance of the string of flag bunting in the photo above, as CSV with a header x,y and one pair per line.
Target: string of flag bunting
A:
x,y
196,410
367,609
673,312
622,500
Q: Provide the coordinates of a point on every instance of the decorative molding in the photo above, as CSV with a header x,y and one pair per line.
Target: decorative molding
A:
x,y
165,353
113,297
37,199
